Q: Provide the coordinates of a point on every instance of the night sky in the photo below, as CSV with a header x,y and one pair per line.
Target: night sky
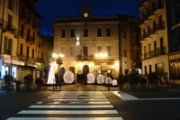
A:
x,y
49,9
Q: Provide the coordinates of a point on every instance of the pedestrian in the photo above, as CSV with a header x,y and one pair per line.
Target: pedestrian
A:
x,y
78,78
120,81
58,81
82,78
85,79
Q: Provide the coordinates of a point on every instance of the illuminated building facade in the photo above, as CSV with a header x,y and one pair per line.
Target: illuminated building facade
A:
x,y
8,37
80,38
160,37
23,50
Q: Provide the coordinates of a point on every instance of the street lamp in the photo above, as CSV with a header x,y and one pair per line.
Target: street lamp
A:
x,y
77,41
101,56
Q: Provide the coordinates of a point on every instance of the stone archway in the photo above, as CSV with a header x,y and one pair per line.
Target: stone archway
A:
x,y
85,69
72,69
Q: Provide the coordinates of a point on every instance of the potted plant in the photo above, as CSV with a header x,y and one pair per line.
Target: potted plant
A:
x,y
120,81
8,81
142,81
165,78
28,80
39,83
18,84
153,78
133,80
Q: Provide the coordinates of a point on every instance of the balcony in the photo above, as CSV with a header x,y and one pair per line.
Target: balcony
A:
x,y
137,63
155,53
40,60
151,31
21,57
24,17
30,39
159,27
144,36
151,13
143,3
144,18
13,30
160,51
9,28
84,58
138,46
158,7
36,26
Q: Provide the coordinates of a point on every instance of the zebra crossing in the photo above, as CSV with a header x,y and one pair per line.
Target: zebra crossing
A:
x,y
71,105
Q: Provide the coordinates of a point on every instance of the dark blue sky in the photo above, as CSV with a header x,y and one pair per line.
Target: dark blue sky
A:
x,y
49,9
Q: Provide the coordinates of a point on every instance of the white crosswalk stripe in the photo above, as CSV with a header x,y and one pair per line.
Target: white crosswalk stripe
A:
x,y
62,118
63,105
125,96
68,106
68,111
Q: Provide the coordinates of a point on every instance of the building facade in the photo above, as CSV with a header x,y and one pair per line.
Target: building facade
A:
x,y
174,40
22,48
154,36
160,37
97,44
9,18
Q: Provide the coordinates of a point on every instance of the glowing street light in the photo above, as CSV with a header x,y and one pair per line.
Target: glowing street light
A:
x,y
77,42
101,55
58,58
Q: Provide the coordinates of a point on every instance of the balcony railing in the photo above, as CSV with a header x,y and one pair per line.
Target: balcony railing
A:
x,y
84,57
36,25
155,53
153,30
5,26
157,5
160,51
137,62
145,35
23,16
40,60
30,39
159,26
142,2
21,57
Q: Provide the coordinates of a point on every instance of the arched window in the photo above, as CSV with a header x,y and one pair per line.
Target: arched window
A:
x,y
72,69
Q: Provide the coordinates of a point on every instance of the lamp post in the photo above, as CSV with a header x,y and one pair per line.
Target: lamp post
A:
x,y
59,60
